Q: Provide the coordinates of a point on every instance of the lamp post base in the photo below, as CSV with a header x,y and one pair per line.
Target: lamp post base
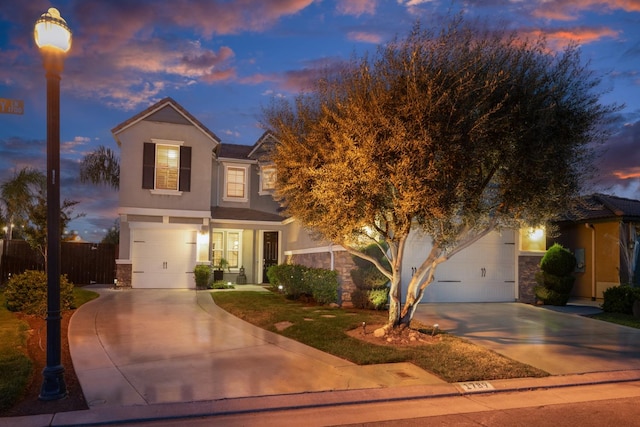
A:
x,y
53,387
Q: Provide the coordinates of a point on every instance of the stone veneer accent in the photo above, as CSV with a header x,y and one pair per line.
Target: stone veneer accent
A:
x,y
342,263
123,275
528,266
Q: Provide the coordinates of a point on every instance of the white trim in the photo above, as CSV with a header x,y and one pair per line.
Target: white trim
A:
x,y
242,221
124,210
166,141
163,226
318,250
165,192
234,160
227,198
124,262
288,221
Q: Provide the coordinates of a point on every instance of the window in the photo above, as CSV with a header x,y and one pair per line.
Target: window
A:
x,y
227,244
267,178
235,182
166,167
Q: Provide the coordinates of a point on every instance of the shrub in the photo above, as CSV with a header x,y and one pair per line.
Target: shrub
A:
x,y
620,299
300,282
555,280
202,274
558,261
27,293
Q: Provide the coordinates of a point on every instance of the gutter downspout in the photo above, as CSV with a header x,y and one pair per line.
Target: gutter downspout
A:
x,y
593,260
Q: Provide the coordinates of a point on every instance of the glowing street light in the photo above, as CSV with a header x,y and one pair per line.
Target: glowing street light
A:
x,y
53,37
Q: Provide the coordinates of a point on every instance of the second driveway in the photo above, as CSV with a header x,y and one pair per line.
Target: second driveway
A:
x,y
556,342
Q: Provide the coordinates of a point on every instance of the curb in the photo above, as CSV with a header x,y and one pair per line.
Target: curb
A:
x,y
245,405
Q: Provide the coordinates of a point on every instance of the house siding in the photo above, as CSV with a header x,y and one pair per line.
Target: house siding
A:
x,y
607,255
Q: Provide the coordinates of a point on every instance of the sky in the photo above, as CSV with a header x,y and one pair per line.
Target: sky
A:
x,y
225,60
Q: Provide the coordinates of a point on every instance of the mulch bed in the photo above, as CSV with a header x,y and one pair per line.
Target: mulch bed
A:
x,y
36,344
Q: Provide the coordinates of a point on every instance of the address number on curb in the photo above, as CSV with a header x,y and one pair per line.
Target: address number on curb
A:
x,y
475,386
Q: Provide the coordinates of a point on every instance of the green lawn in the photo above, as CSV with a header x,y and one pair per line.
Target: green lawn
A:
x,y
15,365
619,318
451,358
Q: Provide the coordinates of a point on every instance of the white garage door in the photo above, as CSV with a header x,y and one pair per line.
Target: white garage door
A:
x,y
483,272
163,258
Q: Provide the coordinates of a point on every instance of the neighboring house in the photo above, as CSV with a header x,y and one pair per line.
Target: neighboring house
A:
x,y
188,198
603,234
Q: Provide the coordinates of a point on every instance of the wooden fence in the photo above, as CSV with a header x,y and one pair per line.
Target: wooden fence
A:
x,y
83,263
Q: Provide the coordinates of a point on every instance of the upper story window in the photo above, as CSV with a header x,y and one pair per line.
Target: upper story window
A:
x,y
267,178
166,167
235,183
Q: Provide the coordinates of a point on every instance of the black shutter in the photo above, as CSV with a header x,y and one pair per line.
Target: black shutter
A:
x,y
148,165
185,169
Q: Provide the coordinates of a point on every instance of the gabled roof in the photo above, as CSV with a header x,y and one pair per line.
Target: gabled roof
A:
x,y
165,110
263,145
243,214
603,206
234,151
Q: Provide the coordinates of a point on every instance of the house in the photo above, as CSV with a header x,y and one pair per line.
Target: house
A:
x,y
187,198
603,233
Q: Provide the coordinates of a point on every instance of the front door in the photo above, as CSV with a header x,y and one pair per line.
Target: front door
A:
x,y
270,253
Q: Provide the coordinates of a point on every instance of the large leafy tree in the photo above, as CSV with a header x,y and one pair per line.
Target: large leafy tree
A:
x,y
459,132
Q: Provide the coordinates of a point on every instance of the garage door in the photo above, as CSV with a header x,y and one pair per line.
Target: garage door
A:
x,y
483,272
163,258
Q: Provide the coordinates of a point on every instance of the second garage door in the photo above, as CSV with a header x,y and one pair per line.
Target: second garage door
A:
x,y
163,258
483,272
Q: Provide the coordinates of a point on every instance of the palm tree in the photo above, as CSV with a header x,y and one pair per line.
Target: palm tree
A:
x,y
101,166
17,194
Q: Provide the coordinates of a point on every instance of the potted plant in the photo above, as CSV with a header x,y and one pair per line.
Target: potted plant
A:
x,y
218,273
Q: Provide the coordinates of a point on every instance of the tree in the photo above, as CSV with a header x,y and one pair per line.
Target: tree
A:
x,y
457,132
16,195
113,234
101,166
25,197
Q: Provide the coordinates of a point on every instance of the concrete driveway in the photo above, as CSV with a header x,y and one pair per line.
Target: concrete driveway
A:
x,y
142,347
558,342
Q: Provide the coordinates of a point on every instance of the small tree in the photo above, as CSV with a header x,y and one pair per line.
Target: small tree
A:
x,y
457,132
555,279
101,166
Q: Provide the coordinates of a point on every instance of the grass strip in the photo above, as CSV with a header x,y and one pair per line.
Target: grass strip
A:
x,y
451,358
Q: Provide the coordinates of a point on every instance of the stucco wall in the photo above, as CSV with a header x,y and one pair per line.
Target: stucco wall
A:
x,y
131,150
607,256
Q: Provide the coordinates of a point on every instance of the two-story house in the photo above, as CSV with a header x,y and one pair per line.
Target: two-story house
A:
x,y
187,198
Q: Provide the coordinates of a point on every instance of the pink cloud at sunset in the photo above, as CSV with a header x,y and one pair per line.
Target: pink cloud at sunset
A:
x,y
569,10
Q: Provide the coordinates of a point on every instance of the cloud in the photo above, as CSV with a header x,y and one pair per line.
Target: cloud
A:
x,y
357,7
620,160
568,10
363,36
561,37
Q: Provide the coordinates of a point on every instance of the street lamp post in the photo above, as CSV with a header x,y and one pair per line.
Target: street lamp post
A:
x,y
53,37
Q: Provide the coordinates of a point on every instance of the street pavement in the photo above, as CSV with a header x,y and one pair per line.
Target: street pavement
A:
x,y
170,354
